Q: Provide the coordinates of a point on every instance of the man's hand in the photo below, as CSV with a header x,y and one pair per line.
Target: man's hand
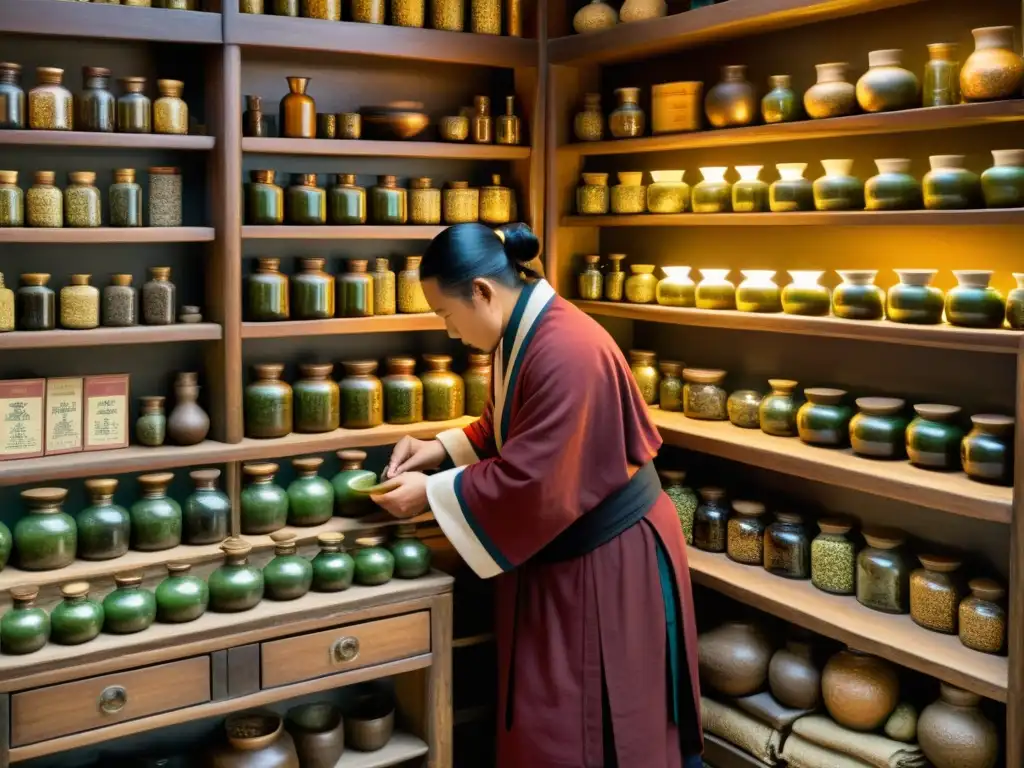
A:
x,y
412,455
408,499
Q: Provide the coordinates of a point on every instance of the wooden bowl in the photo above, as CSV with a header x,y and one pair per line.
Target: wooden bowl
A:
x,y
397,121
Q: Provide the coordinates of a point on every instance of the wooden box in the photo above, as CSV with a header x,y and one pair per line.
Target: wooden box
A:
x,y
106,412
64,415
677,107
22,416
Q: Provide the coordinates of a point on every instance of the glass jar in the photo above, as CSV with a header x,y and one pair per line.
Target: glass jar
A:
x,y
913,300
268,403
935,593
478,378
745,538
236,585
388,202
590,279
629,195
408,13
151,426
12,97
703,394
181,597
780,104
82,206
787,547
834,557
676,289
941,76
710,526
934,438
411,299
461,203
838,190
986,453
156,517
481,122
288,576
712,194
883,574
588,123
333,567
268,292
412,556
384,300
264,503
1015,303
670,390
973,303
950,186
46,538
615,278
592,196
792,192
97,107
305,203
362,395
857,297
982,617
879,430
496,203
44,203
684,499
667,192
76,619
104,528
317,399
749,194
627,120
264,200
165,197
893,188
374,563
424,202
743,406
643,363
158,297
6,307
346,201
12,200
312,291
310,497
206,513
448,15
777,413
1002,185
804,296
824,420
758,291
79,304
368,11
444,391
170,112
714,291
298,110
403,392
50,105
349,502
125,198
134,110
36,303
641,285
25,628
355,290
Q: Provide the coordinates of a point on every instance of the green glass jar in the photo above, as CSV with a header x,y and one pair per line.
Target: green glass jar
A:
x,y
857,297
156,518
592,195
644,365
374,563
134,109
712,194
704,397
758,292
264,200
347,201
590,279
670,388
676,289
1014,304
46,538
129,608
97,107
883,573
950,186
362,395
710,526
411,299
641,285
787,547
824,420
834,557
478,378
236,585
893,188
312,291
777,413
460,203
181,597
1002,185
750,194
12,97
745,533
268,403
206,513
268,292
6,545
24,628
289,575
264,503
347,502
310,497
667,192
76,619
838,189
305,204
384,298
83,207
986,452
444,391
104,528
684,499
780,104
933,437
317,399
411,556
792,192
879,430
715,291
615,278
403,392
388,202
12,200
743,407
973,303
333,567
125,199
912,300
355,290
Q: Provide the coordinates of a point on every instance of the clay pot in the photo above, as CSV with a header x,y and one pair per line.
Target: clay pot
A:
x,y
640,10
793,677
595,16
188,423
954,733
831,95
887,86
995,69
734,658
371,723
254,740
860,691
319,734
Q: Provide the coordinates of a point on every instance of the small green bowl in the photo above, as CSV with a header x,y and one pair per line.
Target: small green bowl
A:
x,y
362,486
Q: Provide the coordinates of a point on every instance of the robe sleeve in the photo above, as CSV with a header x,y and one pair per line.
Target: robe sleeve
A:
x,y
470,444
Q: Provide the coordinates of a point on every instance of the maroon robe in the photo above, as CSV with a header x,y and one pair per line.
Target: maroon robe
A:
x,y
582,643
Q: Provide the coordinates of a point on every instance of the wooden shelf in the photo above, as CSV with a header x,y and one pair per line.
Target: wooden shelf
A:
x,y
907,121
719,753
398,750
346,525
365,232
108,22
975,218
896,638
434,150
1002,341
473,640
128,141
139,334
340,326
731,20
951,492
90,235
348,37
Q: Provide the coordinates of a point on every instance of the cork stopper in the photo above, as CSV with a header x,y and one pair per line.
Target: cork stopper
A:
x,y
346,180
178,569
412,262
133,84
330,541
45,178
152,403
268,265
712,493
381,264
403,366
235,548
316,370
405,531
357,265
987,589
421,183
312,264
24,595
284,542
128,580
124,175
884,538
387,181
835,525
165,170
170,88
8,177
748,508
268,371
371,541
458,185
352,459
438,362
262,177
939,563
123,281
160,273
80,279
307,466
44,499
304,179
88,73
155,484
260,472
49,75
495,179
76,590
35,278
205,478
592,259
101,488
359,367
87,178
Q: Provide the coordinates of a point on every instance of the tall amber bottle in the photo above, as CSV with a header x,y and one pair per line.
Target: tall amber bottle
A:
x,y
298,111
482,122
509,126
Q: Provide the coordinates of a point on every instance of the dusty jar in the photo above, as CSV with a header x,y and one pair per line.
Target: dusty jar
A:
x,y
125,199
627,120
593,195
804,295
733,100
134,109
588,124
333,567
206,513
883,573
629,195
424,202
704,397
589,280
170,112
644,365
778,410
312,291
156,518
831,95
935,593
743,406
792,192
104,528
448,15
151,426
670,389
77,619
403,392
444,391
355,290
264,503
676,289
362,395
82,205
25,628
496,203
346,201
913,300
710,523
6,307
97,107
712,194
857,297
745,540
317,399
79,304
50,104
288,576
986,453
236,585
408,13
780,104
478,377
615,278
787,547
715,291
165,197
46,538
684,499
641,285
383,287
887,86
411,299
388,202
158,297
834,557
310,496
995,69
268,403
461,203
36,303
44,202
268,295
667,192
1002,185
758,291
982,617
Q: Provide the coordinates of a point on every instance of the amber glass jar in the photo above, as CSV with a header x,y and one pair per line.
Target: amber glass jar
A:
x,y
347,201
12,200
388,202
495,203
305,203
82,204
312,291
383,287
983,617
125,199
12,97
362,395
298,110
787,547
268,292
50,105
710,523
411,299
444,391
478,377
268,403
44,202
883,574
317,399
355,290
264,200
35,303
79,305
97,107
170,112
935,593
424,202
449,15
461,203
133,107
403,392
745,537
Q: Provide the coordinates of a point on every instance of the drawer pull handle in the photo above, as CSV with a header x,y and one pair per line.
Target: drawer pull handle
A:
x,y
344,650
113,699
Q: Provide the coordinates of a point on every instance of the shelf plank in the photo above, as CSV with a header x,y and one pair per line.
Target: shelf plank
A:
x,y
907,121
719,753
350,37
727,21
1001,341
346,525
365,232
90,235
401,747
896,638
969,218
139,334
108,22
127,141
951,492
435,150
340,326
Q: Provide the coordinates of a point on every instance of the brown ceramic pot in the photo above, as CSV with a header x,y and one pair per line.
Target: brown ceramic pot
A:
x,y
319,734
793,677
371,723
254,740
954,733
734,658
860,691
188,423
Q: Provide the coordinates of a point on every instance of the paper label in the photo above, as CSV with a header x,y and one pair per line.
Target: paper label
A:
x,y
106,412
21,419
63,415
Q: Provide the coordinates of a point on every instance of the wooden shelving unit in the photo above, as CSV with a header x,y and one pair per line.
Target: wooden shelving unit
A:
x,y
431,150
365,232
108,235
120,141
140,334
102,22
341,326
985,218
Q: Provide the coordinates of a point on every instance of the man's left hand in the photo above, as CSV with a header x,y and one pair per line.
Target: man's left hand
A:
x,y
408,499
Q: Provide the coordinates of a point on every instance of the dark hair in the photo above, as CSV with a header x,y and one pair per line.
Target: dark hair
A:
x,y
465,252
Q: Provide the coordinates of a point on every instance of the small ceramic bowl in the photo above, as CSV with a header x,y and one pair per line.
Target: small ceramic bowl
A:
x,y
454,128
369,735
318,732
396,121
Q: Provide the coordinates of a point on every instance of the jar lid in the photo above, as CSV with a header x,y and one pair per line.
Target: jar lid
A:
x,y
673,475
939,563
151,403
268,371
178,568
987,589
825,395
262,176
387,181
836,525
421,183
268,264
80,279
671,367
330,539
44,177
438,362
82,177
307,464
994,422
101,487
205,478
186,379
458,185
642,356
711,493
357,265
25,594
10,66
381,264
352,456
128,579
170,87
703,375
371,541
401,364
132,84
166,170
283,538
44,498
49,75
316,370
884,538
124,175
881,406
479,359
347,179
75,589
936,411
235,545
304,179
782,386
359,367
160,273
312,263
748,508
35,278
263,470
122,280
157,481
413,262
8,177
789,517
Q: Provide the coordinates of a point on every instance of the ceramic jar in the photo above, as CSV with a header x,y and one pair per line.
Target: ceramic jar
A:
x,y
878,431
333,567
640,10
935,593
703,394
643,364
777,413
236,585
887,86
97,107
317,399
710,523
134,109
318,729
857,297
156,518
714,291
670,388
264,200
749,194
883,572
305,204
349,502
288,576
831,95
787,547
804,296
615,278
780,104
941,76
362,395
986,453
734,658
860,691
384,296
834,557
403,392
629,195
206,513
641,285
1002,185
254,740
374,563
267,292
104,528
592,196
24,628
12,97
129,608
913,300
264,503
82,203
982,617
188,423
588,123
838,190
627,120
955,733
676,289
743,406
46,538
312,291
346,201
310,497
1015,303
950,186
268,403
412,556
589,281
595,16
181,597
712,194
668,193
758,291
792,192
933,438
973,303
673,483
44,202
389,202
298,111
732,101
496,204
994,70
824,420
424,202
893,188
793,677
460,203
745,537
50,104
12,200
151,426
478,380
76,619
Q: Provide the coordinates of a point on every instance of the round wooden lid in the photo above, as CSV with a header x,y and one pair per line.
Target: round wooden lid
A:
x,y
128,579
782,386
371,541
884,538
75,589
330,539
260,470
178,568
835,525
881,406
99,487
235,546
352,455
711,493
25,594
987,589
825,395
704,375
789,517
939,563
307,464
46,499
936,411
748,508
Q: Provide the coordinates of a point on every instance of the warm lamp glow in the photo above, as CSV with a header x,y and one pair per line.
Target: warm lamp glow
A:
x,y
791,171
679,274
759,277
714,173
714,274
749,172
665,176
805,278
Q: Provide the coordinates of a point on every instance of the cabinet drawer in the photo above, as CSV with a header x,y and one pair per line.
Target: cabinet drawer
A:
x,y
60,710
344,648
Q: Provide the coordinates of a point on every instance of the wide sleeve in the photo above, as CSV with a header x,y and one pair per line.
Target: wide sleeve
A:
x,y
467,445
